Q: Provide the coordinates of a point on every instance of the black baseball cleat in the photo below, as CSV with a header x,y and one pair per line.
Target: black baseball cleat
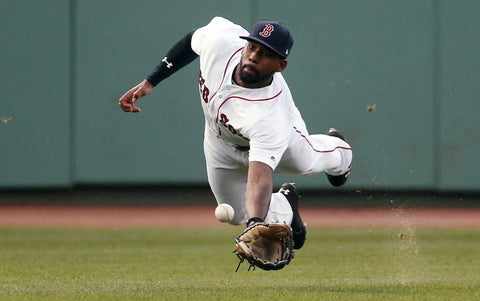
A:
x,y
340,179
333,132
298,227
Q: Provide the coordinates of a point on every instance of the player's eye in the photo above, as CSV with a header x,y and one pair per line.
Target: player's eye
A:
x,y
269,54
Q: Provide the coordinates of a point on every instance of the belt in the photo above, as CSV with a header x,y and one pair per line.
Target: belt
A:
x,y
242,148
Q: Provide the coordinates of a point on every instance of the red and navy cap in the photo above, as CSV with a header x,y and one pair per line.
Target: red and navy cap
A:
x,y
272,35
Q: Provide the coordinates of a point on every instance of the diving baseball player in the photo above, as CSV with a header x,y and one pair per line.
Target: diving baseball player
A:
x,y
252,126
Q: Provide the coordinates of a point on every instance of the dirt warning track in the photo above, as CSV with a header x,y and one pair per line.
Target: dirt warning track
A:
x,y
191,216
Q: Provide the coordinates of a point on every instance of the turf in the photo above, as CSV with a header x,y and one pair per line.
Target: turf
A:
x,y
198,264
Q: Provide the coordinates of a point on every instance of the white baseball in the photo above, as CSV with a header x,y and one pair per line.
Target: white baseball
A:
x,y
224,213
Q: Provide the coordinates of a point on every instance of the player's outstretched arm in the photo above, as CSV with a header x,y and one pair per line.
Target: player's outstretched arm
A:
x,y
259,189
128,100
180,55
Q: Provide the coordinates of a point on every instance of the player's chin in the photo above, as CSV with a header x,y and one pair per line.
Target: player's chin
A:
x,y
249,77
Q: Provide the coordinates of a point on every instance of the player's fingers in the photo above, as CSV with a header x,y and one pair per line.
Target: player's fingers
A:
x,y
125,105
137,95
128,106
125,108
128,100
126,97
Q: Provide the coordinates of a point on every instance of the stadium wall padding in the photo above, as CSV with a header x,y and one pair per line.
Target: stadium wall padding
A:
x,y
66,63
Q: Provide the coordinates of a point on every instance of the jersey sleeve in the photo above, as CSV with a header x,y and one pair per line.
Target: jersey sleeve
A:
x,y
218,29
268,141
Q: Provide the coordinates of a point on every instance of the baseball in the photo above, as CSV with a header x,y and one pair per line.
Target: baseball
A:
x,y
224,213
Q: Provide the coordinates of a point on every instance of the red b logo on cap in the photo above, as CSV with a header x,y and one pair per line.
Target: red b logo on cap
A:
x,y
267,31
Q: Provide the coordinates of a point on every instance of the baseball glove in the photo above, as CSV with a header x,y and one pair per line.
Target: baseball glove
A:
x,y
267,246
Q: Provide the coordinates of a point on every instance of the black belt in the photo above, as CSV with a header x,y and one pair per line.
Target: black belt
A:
x,y
242,148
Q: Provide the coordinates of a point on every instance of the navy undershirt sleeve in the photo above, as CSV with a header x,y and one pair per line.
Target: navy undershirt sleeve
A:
x,y
180,55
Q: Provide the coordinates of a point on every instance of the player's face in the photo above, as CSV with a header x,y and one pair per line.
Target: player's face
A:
x,y
258,64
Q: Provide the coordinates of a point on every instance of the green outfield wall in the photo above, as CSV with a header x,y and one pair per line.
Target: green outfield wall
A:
x,y
64,64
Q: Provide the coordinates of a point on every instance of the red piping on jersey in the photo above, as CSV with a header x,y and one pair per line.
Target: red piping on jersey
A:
x,y
320,151
246,99
225,72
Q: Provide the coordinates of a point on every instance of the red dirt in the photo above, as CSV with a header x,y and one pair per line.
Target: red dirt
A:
x,y
167,216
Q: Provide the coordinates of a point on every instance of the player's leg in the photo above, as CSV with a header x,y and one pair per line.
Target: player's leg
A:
x,y
309,154
280,210
229,186
289,192
338,178
227,174
227,171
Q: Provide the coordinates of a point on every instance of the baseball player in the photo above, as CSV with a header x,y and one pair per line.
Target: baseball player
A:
x,y
252,126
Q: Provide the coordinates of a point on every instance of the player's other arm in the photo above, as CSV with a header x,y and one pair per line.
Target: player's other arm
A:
x,y
180,55
259,189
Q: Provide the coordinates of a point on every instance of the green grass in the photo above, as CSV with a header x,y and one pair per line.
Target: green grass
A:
x,y
197,264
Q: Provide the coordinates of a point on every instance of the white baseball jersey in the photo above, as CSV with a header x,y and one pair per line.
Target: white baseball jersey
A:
x,y
262,118
265,119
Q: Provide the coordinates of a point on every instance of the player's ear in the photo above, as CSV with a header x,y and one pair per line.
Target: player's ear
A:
x,y
282,64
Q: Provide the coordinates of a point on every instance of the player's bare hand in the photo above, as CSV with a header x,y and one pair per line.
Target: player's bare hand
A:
x,y
128,100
